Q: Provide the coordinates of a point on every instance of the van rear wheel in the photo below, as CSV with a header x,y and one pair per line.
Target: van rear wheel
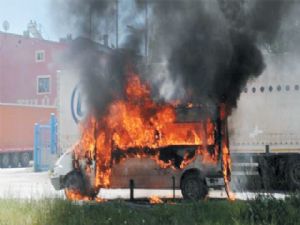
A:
x,y
193,187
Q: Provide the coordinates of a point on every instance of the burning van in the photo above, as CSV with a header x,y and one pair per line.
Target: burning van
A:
x,y
155,145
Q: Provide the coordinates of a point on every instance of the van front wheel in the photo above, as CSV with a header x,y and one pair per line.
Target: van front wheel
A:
x,y
193,187
74,186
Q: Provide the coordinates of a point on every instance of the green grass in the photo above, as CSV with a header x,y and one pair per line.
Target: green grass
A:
x,y
263,210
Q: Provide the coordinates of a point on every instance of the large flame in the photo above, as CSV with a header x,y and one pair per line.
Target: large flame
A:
x,y
137,121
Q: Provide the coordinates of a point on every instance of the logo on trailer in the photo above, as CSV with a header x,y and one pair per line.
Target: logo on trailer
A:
x,y
77,105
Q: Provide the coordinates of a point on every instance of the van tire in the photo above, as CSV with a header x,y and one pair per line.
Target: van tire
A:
x,y
73,183
193,187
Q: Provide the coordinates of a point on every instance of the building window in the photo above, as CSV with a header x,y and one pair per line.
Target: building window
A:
x,y
297,87
40,56
278,88
43,84
287,87
262,89
245,90
270,88
254,90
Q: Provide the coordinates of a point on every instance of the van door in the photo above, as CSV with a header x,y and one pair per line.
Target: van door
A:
x,y
141,170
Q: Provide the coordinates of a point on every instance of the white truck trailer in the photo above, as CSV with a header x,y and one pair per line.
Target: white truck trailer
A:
x,y
265,126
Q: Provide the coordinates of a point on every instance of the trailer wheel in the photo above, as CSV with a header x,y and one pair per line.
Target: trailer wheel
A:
x,y
193,187
25,159
14,160
293,177
265,173
5,161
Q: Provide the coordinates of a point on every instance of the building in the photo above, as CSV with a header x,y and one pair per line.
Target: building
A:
x,y
28,68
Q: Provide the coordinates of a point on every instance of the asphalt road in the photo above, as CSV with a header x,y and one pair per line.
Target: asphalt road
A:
x,y
25,184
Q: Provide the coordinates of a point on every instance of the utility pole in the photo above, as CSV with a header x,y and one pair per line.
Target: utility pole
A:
x,y
146,31
117,24
90,24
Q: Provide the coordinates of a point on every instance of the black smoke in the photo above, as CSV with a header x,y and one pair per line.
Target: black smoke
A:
x,y
102,71
211,47
88,18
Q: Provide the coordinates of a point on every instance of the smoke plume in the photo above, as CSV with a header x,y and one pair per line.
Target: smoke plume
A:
x,y
209,49
102,72
213,47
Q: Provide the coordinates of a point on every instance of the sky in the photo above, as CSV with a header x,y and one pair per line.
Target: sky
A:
x,y
19,13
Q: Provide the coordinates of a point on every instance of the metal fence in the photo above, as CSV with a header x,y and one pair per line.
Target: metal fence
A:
x,y
45,144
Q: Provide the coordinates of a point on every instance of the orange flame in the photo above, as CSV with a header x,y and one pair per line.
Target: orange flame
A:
x,y
226,160
138,122
155,200
76,195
